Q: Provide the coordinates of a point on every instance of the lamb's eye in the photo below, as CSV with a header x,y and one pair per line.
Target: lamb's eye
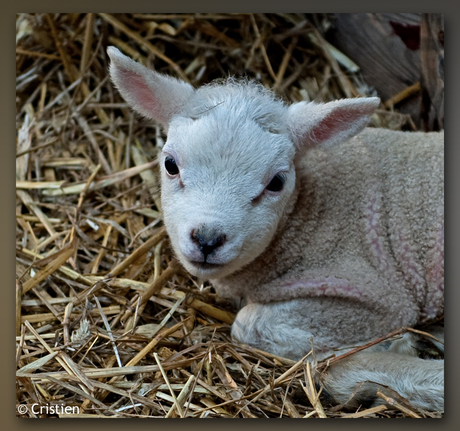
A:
x,y
276,184
171,166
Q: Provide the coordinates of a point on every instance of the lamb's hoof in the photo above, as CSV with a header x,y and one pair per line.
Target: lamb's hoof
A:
x,y
426,349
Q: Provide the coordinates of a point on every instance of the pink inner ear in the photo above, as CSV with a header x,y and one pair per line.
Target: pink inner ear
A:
x,y
136,86
339,120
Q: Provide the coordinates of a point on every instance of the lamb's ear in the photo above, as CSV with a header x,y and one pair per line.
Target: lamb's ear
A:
x,y
327,124
151,94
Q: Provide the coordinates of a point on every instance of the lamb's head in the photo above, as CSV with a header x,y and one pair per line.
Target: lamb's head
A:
x,y
228,165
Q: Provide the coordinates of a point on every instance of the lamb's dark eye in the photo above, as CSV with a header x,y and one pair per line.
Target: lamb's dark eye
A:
x,y
276,184
171,166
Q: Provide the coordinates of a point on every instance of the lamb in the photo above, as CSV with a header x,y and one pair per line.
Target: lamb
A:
x,y
322,231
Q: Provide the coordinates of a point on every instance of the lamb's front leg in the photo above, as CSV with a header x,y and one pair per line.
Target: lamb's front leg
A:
x,y
288,328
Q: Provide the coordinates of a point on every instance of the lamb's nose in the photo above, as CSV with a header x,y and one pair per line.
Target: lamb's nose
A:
x,y
207,240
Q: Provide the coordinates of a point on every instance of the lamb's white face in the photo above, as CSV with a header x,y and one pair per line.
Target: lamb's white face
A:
x,y
225,185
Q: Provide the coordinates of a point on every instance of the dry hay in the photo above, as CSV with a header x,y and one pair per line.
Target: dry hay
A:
x,y
106,318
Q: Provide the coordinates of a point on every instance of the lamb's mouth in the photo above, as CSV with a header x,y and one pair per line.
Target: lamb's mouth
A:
x,y
206,265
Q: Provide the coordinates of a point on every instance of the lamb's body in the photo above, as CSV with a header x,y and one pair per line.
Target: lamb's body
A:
x,y
317,235
365,234
360,254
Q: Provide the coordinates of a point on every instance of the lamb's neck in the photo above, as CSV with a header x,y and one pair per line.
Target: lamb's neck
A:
x,y
255,272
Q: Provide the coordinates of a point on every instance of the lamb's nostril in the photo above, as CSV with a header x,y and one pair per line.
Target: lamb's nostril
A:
x,y
207,241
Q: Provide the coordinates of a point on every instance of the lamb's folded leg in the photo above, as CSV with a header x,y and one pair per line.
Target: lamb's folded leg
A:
x,y
420,381
291,328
